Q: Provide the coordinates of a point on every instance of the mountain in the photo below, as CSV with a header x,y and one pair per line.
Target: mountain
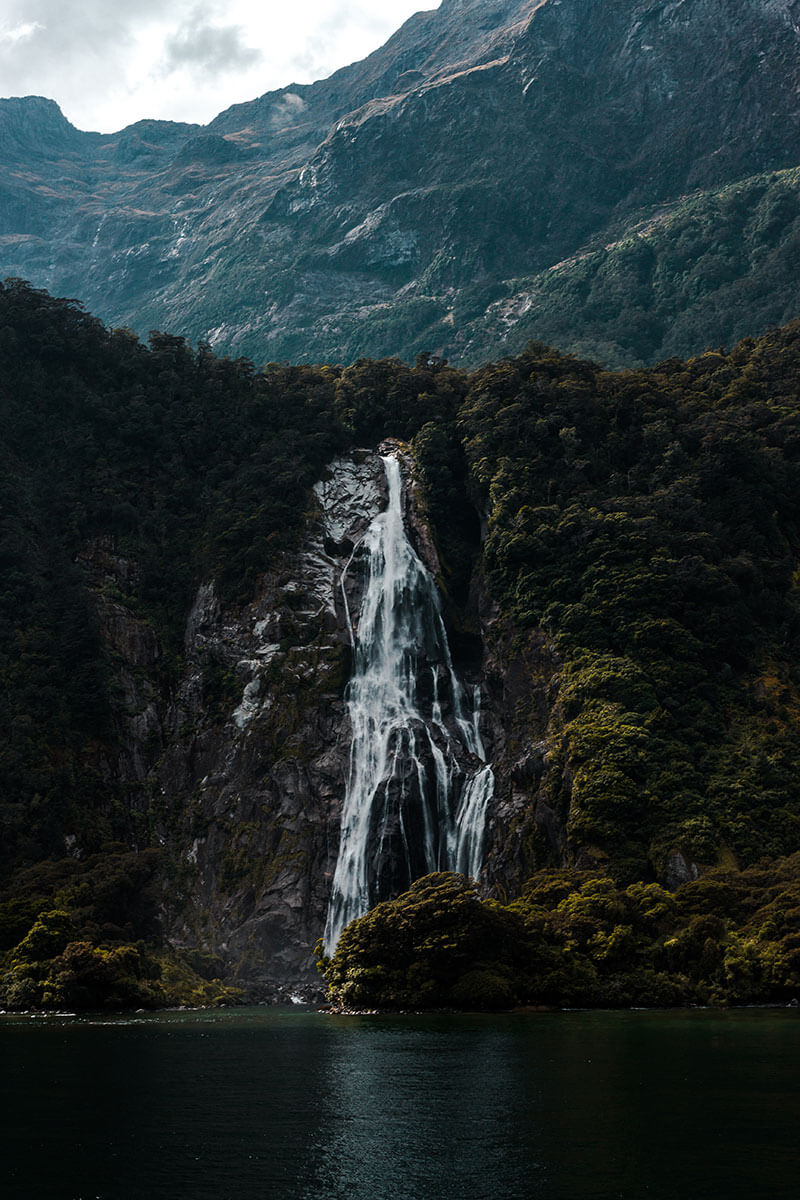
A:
x,y
590,588
619,178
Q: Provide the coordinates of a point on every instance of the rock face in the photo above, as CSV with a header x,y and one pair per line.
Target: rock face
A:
x,y
239,767
262,791
528,819
385,209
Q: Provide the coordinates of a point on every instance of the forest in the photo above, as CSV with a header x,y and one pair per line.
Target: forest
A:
x,y
646,521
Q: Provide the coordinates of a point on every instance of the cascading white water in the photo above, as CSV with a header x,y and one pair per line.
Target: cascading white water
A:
x,y
419,785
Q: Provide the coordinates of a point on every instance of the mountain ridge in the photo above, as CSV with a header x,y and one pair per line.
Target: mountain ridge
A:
x,y
384,209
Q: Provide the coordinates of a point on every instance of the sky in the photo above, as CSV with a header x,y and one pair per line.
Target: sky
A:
x,y
108,63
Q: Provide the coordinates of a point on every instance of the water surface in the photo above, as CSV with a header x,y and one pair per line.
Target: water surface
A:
x,y
296,1105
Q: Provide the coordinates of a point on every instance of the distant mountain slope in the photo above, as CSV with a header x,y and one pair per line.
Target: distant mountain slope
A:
x,y
704,272
388,208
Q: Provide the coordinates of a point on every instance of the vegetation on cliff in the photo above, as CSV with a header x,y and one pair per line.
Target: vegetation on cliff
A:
x,y
703,271
85,935
646,523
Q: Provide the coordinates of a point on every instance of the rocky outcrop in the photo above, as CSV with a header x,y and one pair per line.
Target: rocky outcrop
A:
x,y
238,766
134,653
528,818
262,787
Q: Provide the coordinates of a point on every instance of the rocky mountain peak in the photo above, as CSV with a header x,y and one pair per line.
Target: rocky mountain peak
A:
x,y
35,126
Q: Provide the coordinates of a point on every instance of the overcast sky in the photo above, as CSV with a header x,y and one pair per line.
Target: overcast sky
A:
x,y
111,62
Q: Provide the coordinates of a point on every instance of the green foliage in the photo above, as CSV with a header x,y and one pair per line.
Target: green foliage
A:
x,y
436,945
648,521
706,271
576,939
84,976
47,937
100,947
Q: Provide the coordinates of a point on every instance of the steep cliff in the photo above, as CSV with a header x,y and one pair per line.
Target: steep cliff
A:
x,y
616,561
242,765
420,199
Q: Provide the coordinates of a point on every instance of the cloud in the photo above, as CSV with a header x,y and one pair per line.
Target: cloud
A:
x,y
109,63
287,109
20,32
338,26
212,49
73,27
58,47
85,54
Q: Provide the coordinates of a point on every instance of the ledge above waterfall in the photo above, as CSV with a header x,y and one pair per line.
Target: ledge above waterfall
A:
x,y
350,495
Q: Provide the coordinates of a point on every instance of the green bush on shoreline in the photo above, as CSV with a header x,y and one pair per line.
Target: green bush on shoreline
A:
x,y
85,936
572,939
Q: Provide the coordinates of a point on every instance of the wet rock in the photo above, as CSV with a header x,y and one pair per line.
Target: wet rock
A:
x,y
242,762
204,616
679,870
352,492
240,765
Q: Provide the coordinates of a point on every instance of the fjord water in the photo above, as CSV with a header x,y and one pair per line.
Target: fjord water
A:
x,y
266,1104
419,784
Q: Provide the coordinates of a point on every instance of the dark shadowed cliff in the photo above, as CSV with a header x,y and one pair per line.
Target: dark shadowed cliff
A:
x,y
617,558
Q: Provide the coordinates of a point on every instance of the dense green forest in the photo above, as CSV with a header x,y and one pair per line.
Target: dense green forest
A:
x,y
645,521
649,521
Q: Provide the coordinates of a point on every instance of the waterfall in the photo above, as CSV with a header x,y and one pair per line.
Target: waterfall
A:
x,y
418,785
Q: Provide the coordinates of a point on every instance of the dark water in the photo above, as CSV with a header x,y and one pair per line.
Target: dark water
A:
x,y
291,1105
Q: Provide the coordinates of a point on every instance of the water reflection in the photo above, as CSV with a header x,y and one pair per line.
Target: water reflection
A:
x,y
267,1105
420,1108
